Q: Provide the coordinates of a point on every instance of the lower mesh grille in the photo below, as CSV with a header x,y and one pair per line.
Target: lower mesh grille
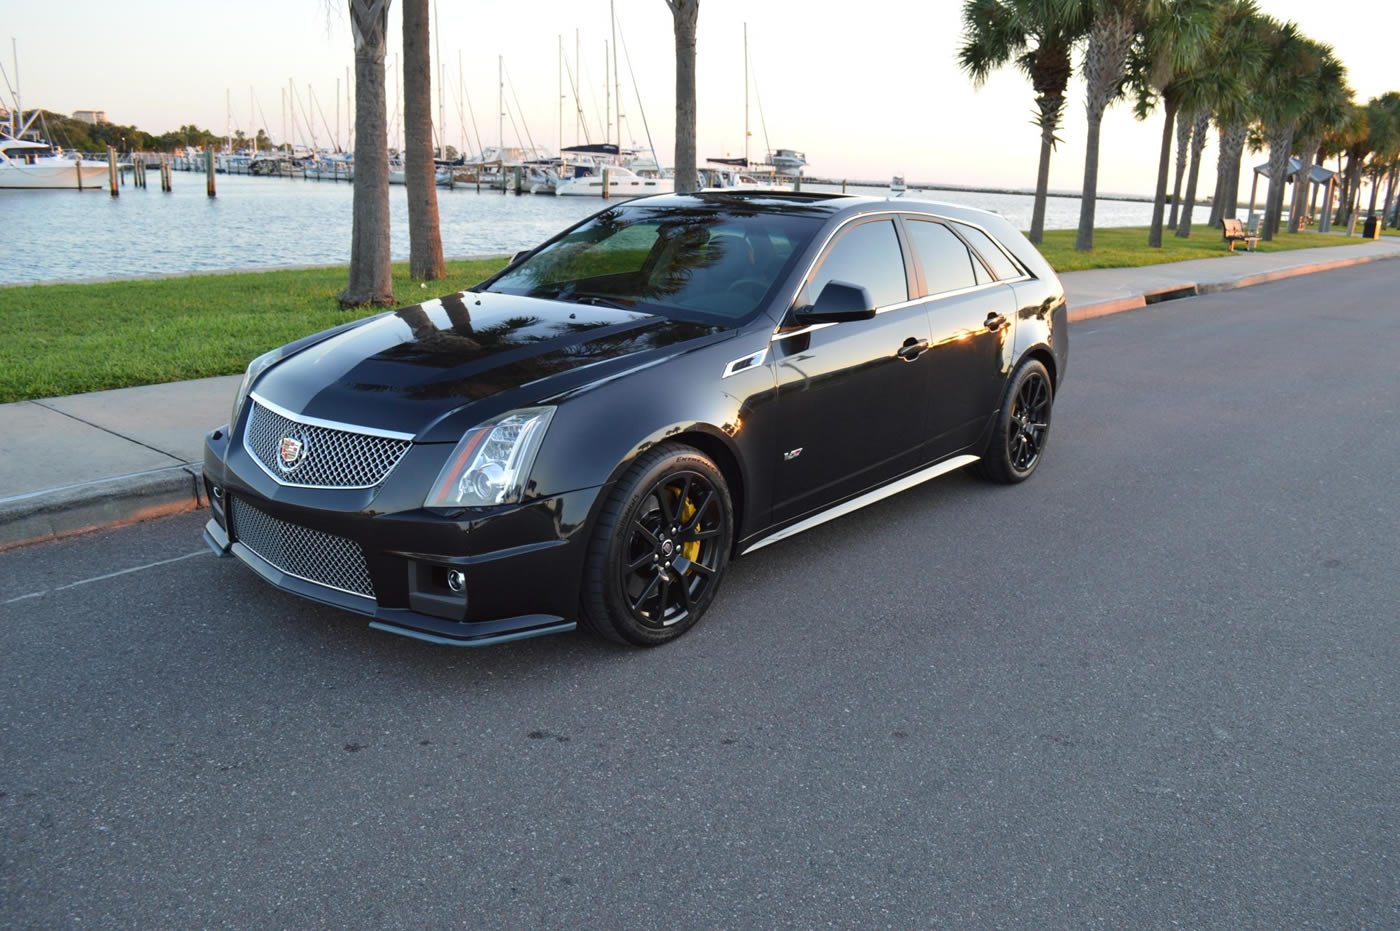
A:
x,y
308,554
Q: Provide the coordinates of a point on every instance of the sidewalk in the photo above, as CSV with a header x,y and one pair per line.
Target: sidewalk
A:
x,y
108,458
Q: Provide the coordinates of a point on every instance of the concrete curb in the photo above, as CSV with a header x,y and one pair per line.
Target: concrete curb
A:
x,y
1192,289
112,502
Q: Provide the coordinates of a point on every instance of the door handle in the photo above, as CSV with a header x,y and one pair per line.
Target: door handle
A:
x,y
912,349
994,322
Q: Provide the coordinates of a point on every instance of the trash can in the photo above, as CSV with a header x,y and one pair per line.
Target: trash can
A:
x,y
1372,229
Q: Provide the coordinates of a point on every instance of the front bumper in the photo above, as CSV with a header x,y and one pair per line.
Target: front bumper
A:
x,y
522,564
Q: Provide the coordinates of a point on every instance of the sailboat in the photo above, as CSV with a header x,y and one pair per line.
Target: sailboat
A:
x,y
742,174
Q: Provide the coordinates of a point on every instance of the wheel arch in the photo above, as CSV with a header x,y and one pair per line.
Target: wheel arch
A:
x,y
1042,354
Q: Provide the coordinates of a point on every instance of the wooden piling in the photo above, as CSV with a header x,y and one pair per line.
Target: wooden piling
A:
x,y
79,167
112,172
797,183
843,185
607,176
165,173
209,170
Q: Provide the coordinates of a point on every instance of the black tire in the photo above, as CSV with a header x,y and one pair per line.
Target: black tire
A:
x,y
659,548
1021,426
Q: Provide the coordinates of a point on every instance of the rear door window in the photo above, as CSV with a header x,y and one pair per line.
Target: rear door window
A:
x,y
948,266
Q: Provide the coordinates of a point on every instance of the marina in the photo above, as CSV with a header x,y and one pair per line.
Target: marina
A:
x,y
259,223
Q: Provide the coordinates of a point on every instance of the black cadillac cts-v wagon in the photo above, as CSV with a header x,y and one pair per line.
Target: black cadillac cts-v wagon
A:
x,y
594,432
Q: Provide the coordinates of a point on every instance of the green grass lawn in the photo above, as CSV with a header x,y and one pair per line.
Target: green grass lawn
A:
x,y
68,338
1123,247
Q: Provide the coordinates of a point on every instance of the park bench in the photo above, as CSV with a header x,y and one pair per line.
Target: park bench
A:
x,y
1233,231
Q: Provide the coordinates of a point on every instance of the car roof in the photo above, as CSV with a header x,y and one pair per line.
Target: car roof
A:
x,y
815,202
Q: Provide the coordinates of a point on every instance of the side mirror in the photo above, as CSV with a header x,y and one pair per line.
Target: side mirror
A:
x,y
520,255
839,302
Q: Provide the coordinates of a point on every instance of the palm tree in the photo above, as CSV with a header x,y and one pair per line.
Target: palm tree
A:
x,y
1039,35
1383,138
424,235
370,279
1350,140
1111,37
1174,43
1198,144
1185,126
685,13
1225,83
1326,109
1286,92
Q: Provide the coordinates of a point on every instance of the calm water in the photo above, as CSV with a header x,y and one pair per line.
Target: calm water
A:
x,y
265,222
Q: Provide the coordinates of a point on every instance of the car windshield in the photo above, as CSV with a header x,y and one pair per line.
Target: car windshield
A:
x,y
716,265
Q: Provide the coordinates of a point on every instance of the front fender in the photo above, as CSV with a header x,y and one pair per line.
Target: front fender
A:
x,y
595,436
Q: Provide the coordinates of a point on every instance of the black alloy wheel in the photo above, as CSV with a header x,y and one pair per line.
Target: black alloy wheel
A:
x,y
1022,426
660,548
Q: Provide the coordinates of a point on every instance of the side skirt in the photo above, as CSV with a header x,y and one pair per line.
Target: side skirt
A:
x,y
856,503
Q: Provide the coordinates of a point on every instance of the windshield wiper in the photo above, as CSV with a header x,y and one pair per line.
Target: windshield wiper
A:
x,y
597,300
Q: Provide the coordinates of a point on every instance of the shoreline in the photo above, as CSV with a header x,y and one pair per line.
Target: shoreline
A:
x,y
973,189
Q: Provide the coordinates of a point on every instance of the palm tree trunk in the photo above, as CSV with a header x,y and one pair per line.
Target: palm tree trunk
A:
x,y
1375,189
1183,136
424,236
1225,202
1390,193
1198,144
1154,234
371,281
1278,166
1104,57
684,14
1301,185
1042,185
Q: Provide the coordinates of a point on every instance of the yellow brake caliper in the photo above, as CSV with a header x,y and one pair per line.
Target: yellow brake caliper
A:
x,y
689,550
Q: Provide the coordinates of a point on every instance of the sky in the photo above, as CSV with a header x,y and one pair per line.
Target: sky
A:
x,y
866,90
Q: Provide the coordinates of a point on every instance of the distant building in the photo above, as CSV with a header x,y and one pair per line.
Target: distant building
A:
x,y
91,116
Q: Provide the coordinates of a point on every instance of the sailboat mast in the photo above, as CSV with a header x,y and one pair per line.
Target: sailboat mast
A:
x,y
228,118
442,88
19,102
578,66
252,120
501,104
746,95
607,97
617,75
560,63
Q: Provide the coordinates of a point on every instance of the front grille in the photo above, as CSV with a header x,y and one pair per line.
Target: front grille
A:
x,y
328,458
308,554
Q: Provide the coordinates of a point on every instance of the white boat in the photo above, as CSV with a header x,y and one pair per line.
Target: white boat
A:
x,y
337,167
788,161
622,182
724,177
897,186
33,165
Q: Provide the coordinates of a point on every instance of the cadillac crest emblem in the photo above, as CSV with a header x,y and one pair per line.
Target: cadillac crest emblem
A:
x,y
291,453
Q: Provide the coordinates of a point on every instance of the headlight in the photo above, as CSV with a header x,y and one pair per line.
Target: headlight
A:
x,y
492,462
255,368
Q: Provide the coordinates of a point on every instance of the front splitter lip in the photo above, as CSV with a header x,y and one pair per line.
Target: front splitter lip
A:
x,y
400,621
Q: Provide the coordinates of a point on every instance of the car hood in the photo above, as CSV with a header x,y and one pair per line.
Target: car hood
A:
x,y
413,369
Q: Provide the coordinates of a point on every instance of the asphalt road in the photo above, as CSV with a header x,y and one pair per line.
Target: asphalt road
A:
x,y
1156,686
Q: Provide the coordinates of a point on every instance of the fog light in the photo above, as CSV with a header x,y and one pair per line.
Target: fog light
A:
x,y
456,580
218,493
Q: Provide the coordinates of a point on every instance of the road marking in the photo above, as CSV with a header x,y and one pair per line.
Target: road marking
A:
x,y
110,575
22,597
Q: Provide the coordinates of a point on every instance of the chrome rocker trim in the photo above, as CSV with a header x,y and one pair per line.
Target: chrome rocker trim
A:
x,y
870,497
